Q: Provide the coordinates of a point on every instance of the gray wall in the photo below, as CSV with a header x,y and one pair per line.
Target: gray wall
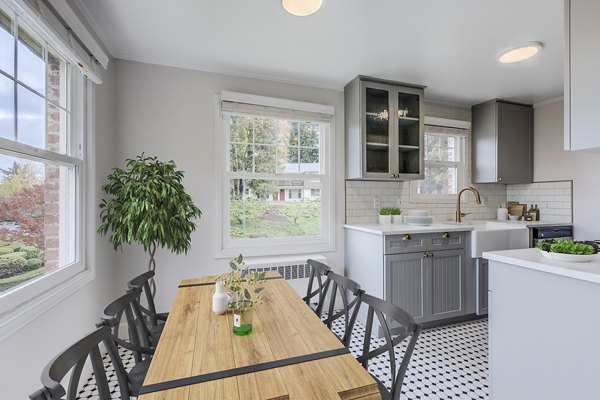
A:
x,y
24,354
170,112
551,162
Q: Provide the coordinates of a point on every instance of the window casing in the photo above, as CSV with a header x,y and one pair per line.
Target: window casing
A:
x,y
42,120
275,178
445,165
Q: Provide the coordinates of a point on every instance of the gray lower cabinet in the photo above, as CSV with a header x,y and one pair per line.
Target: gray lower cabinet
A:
x,y
425,274
428,285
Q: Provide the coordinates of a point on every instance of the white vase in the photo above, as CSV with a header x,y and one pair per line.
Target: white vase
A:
x,y
220,299
385,219
396,219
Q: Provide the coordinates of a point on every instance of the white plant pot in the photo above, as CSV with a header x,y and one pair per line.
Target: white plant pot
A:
x,y
385,219
396,219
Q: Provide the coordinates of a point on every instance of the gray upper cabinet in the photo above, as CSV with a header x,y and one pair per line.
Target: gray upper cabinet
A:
x,y
502,146
384,130
582,62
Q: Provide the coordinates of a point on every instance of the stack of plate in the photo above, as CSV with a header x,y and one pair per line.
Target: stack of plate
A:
x,y
418,217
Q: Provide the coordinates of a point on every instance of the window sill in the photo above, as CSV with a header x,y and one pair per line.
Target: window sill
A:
x,y
16,319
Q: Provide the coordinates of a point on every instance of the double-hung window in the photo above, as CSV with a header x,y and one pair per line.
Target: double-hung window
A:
x,y
445,165
275,185
41,161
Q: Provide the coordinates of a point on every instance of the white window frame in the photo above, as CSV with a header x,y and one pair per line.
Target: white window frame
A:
x,y
225,247
25,302
448,127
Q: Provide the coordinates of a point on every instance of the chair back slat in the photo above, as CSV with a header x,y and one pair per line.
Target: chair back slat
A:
x,y
344,286
387,312
142,282
75,377
318,275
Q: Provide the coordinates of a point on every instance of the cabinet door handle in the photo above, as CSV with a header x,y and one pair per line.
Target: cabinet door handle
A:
x,y
406,237
499,179
445,235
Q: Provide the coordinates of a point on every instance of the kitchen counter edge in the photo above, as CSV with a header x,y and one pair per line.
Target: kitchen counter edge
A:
x,y
397,229
533,259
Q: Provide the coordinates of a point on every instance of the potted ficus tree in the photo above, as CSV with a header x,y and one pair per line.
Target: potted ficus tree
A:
x,y
148,204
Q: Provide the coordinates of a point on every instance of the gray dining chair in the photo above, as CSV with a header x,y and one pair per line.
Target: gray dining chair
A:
x,y
404,327
145,301
73,360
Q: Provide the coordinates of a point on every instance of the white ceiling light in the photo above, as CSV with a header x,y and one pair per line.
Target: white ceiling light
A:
x,y
302,8
520,53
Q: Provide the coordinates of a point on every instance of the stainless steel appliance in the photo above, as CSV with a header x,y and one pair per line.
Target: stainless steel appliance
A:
x,y
550,232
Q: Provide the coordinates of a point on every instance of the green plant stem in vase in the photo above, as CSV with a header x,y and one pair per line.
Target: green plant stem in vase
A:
x,y
245,291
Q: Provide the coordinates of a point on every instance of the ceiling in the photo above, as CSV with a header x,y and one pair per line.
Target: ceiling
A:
x,y
451,46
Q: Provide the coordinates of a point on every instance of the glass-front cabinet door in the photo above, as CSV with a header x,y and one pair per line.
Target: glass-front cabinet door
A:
x,y
377,120
384,129
410,146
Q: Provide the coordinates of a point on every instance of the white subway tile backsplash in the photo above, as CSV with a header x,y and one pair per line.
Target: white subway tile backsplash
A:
x,y
554,199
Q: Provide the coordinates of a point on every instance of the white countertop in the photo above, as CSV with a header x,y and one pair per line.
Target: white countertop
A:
x,y
533,259
398,229
448,226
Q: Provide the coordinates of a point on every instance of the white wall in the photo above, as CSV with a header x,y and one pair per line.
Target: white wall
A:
x,y
170,113
24,354
551,162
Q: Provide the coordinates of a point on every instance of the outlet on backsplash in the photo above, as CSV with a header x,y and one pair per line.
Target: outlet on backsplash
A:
x,y
376,203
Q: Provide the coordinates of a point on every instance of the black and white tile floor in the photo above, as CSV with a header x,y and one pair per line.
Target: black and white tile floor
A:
x,y
449,362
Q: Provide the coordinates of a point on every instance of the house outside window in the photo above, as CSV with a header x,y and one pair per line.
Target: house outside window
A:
x,y
276,193
41,152
445,165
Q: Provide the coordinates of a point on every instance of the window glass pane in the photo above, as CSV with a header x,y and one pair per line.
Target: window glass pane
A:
x,y
308,134
240,158
31,111
439,180
7,45
57,80
240,129
264,159
269,208
265,130
288,160
309,160
36,219
7,108
31,69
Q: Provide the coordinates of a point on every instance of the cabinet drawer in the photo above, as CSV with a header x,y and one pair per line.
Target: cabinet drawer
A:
x,y
407,243
445,241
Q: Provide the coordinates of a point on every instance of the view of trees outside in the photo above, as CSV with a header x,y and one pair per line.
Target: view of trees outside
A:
x,y
442,157
22,212
274,205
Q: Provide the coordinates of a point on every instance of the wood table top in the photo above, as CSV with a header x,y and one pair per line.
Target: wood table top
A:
x,y
195,341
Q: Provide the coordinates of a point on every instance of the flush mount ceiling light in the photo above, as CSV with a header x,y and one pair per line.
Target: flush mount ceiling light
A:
x,y
302,8
520,52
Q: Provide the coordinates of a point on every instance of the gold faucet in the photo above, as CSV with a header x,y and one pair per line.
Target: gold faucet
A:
x,y
459,214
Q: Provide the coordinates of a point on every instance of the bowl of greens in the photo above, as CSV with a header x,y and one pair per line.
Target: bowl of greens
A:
x,y
568,250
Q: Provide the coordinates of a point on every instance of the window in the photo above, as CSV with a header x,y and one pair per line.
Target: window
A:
x,y
276,193
445,165
41,147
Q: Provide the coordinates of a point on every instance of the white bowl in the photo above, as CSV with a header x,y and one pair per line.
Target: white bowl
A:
x,y
418,220
418,213
576,258
514,217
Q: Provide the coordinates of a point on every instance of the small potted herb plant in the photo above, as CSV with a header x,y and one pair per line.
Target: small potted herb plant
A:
x,y
244,289
385,215
396,218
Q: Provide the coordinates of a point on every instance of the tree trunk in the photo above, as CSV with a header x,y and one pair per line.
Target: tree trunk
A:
x,y
152,267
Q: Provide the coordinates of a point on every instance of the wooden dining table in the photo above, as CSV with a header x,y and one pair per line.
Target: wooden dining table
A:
x,y
290,353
